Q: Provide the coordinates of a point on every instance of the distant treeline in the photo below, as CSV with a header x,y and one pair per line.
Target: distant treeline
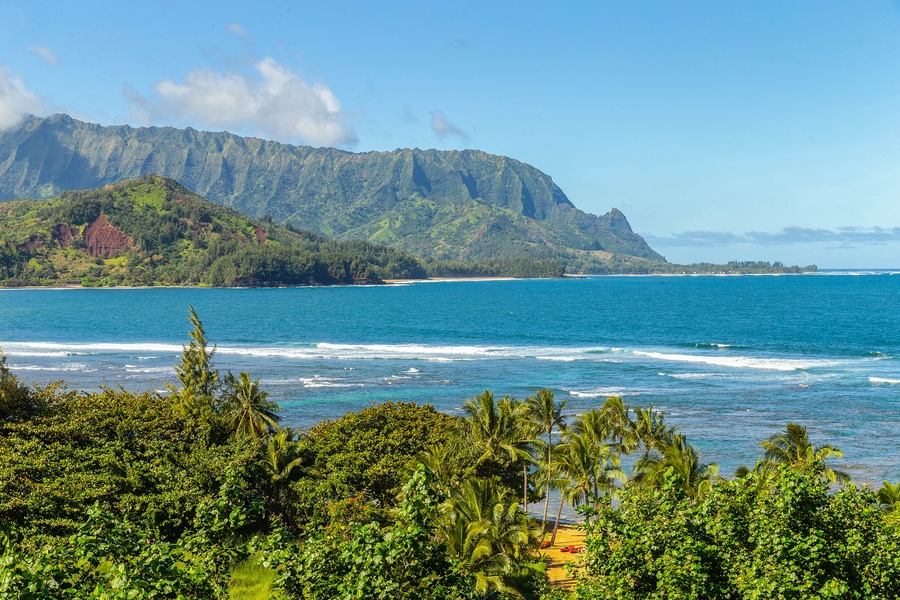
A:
x,y
497,267
630,265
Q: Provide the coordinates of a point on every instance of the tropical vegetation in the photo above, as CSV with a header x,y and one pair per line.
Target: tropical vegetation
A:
x,y
186,494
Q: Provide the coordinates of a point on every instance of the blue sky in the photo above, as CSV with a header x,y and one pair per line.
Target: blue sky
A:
x,y
764,130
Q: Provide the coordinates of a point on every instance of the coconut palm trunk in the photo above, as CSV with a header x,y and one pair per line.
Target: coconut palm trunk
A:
x,y
525,488
546,414
549,477
562,498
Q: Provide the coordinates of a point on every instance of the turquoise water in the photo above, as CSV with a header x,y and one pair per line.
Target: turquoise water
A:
x,y
730,359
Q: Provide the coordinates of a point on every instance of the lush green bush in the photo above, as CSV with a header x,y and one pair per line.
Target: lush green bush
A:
x,y
356,466
774,534
133,453
368,562
105,558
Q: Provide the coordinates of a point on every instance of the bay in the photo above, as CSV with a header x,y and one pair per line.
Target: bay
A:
x,y
730,360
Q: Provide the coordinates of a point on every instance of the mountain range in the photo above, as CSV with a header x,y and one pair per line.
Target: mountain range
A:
x,y
437,205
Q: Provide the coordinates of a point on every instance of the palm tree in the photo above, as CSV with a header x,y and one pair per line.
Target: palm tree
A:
x,y
527,443
593,468
563,484
281,455
546,414
487,532
246,410
593,424
792,447
445,461
618,427
648,429
282,460
681,459
491,428
889,496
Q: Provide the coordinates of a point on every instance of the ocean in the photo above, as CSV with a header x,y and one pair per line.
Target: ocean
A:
x,y
730,360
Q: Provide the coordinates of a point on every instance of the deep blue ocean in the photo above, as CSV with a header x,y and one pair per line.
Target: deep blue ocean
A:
x,y
730,360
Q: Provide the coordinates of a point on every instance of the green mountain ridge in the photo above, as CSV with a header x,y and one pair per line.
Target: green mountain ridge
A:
x,y
154,231
442,205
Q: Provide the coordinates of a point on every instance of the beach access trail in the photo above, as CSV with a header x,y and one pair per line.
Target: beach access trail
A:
x,y
568,535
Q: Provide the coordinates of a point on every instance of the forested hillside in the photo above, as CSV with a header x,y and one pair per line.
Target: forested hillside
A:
x,y
153,231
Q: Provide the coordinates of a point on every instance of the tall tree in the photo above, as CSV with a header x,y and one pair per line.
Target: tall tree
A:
x,y
546,413
527,442
649,429
246,409
199,380
617,424
593,467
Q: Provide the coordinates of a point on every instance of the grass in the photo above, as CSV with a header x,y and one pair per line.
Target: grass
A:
x,y
251,581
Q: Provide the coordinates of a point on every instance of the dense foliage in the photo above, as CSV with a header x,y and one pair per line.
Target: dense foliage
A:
x,y
777,534
121,495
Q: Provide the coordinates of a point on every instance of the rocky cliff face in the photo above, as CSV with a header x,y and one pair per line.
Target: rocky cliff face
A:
x,y
454,204
102,240
64,234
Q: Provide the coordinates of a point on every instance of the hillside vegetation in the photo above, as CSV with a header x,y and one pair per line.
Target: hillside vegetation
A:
x,y
153,231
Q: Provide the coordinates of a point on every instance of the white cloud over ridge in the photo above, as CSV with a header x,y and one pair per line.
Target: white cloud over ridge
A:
x,y
847,236
16,100
443,128
276,103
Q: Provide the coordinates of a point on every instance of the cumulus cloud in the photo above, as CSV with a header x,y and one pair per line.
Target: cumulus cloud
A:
x,y
847,236
237,29
444,128
274,102
44,53
15,100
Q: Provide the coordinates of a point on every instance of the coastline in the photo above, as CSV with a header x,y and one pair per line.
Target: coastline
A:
x,y
820,272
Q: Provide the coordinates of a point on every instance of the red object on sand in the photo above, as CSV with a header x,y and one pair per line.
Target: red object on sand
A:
x,y
565,549
545,544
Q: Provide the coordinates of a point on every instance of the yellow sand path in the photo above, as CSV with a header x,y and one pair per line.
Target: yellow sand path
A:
x,y
566,536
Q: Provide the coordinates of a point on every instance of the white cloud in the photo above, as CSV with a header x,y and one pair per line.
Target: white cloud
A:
x,y
443,128
15,100
237,29
276,102
45,53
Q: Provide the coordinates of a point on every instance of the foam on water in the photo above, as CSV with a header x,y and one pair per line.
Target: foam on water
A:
x,y
741,362
63,349
884,380
603,392
319,382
